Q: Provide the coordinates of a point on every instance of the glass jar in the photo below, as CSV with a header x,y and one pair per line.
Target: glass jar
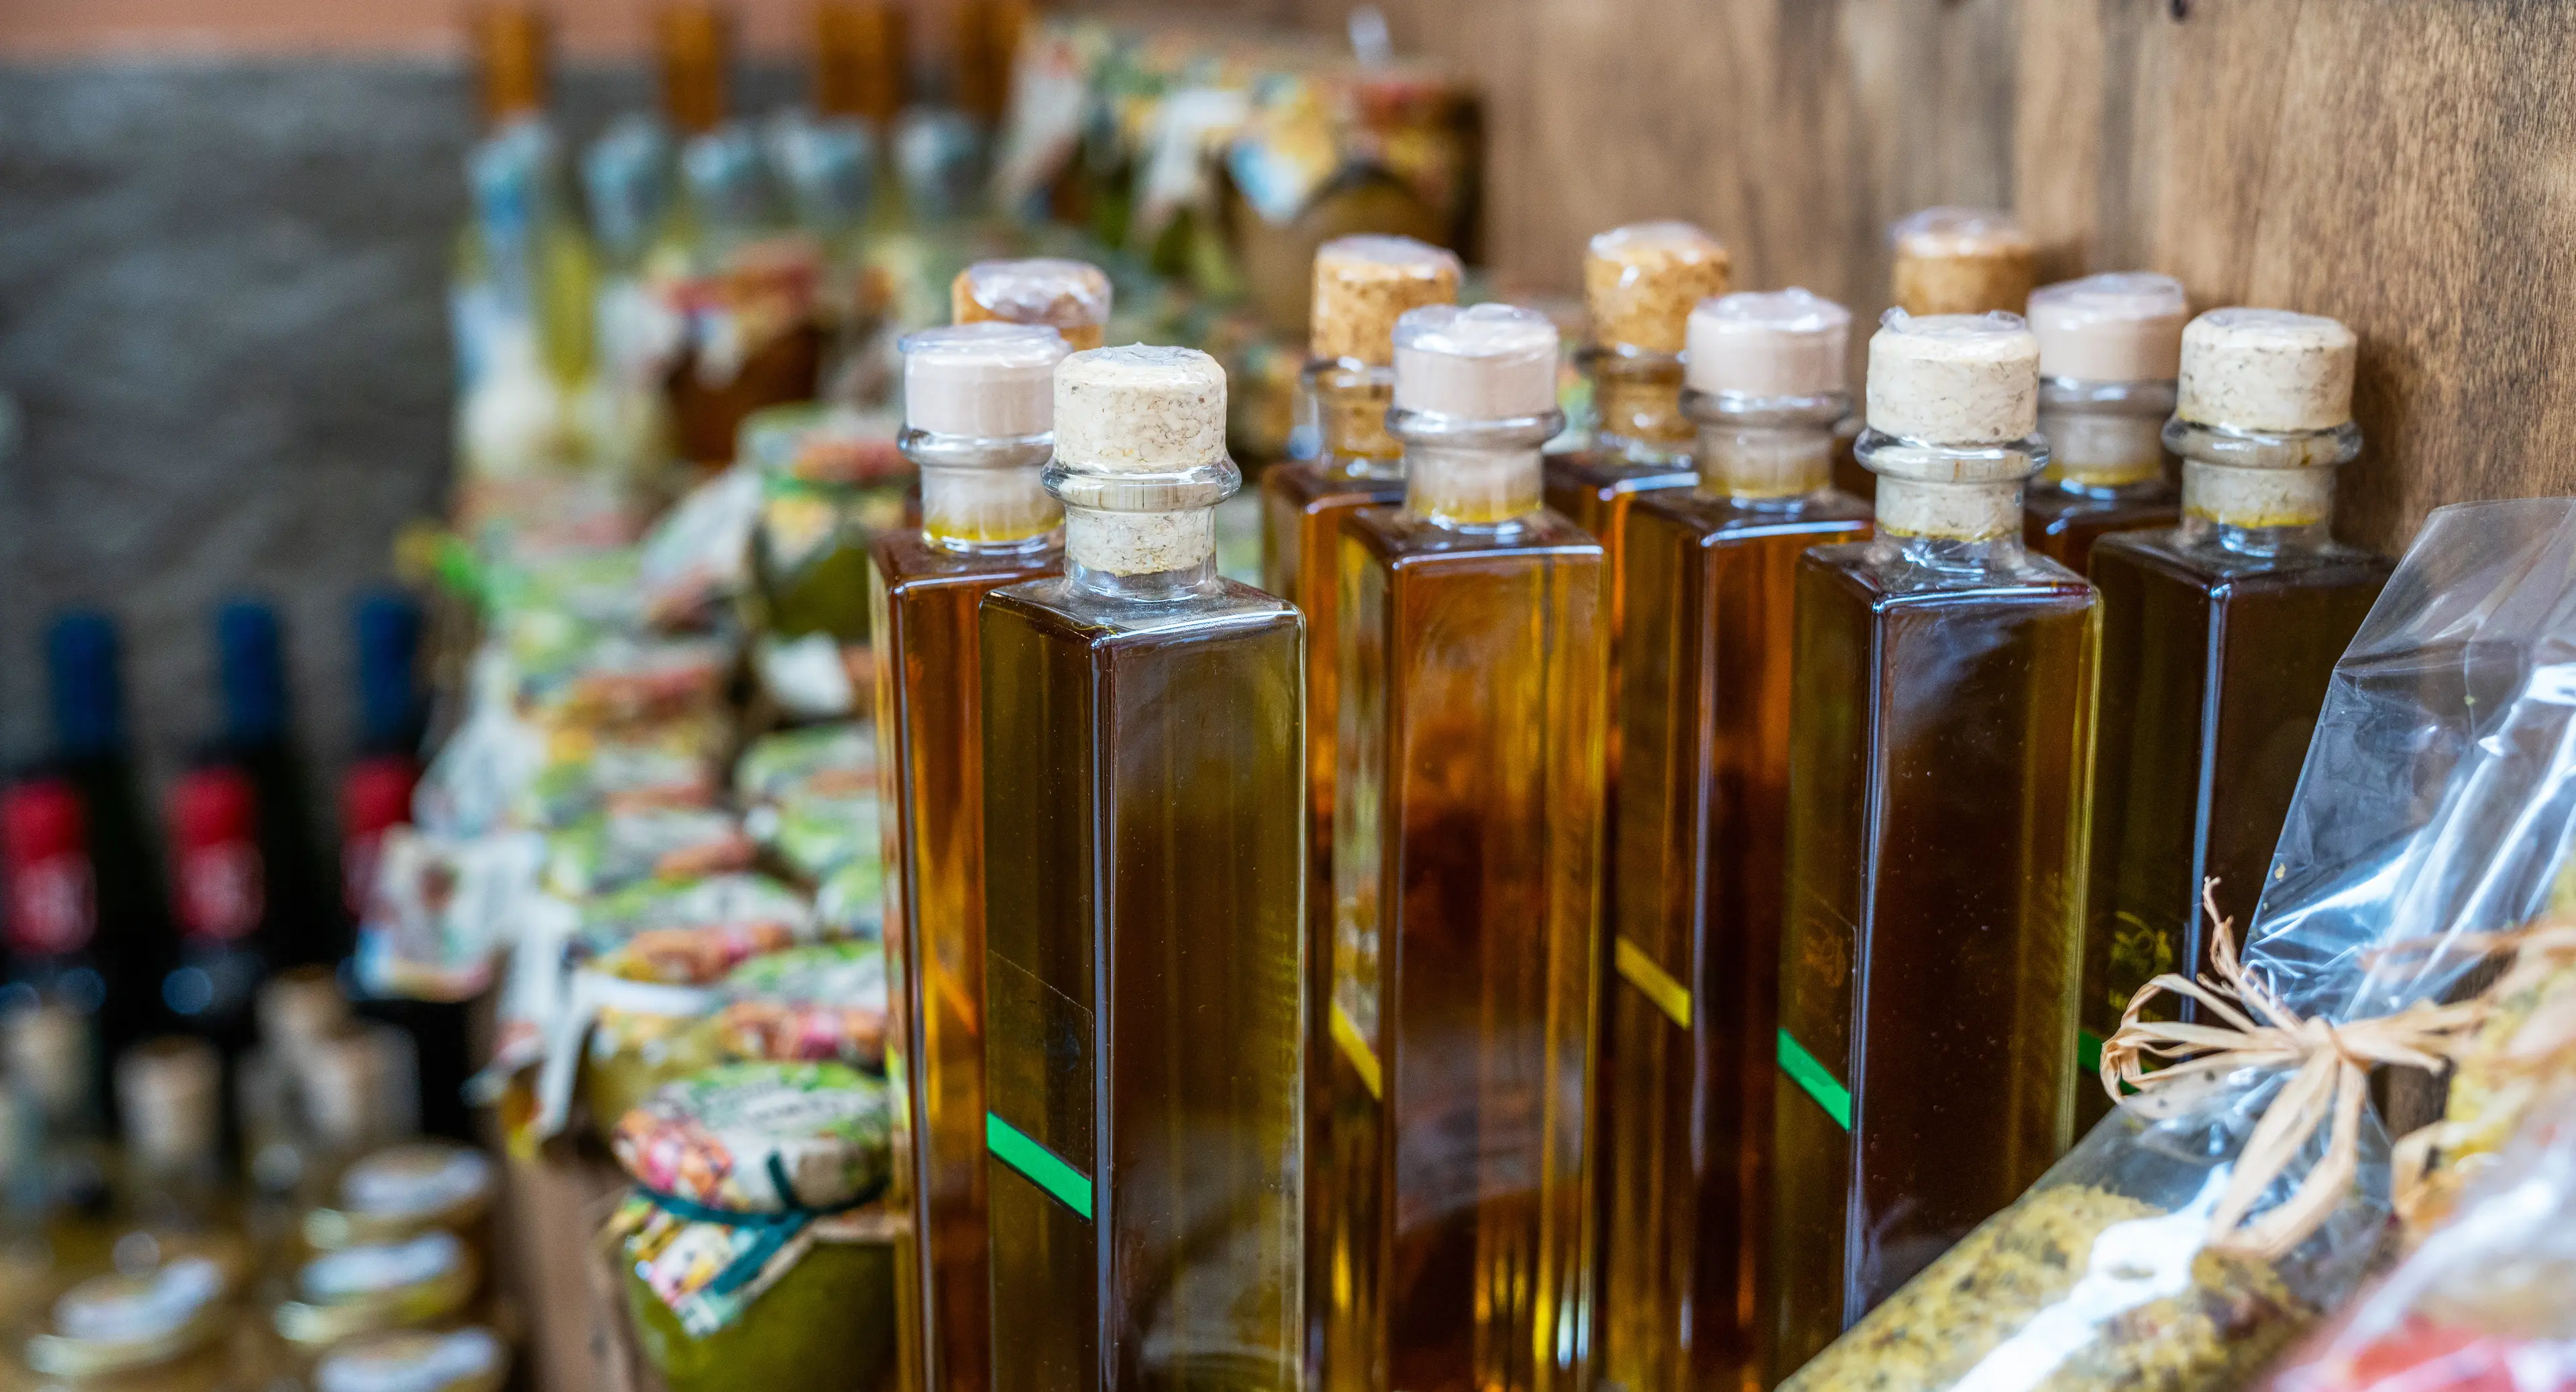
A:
x,y
375,1287
401,1192
165,1330
471,1359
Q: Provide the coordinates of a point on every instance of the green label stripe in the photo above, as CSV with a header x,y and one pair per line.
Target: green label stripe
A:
x,y
2088,1052
1816,1080
1044,1168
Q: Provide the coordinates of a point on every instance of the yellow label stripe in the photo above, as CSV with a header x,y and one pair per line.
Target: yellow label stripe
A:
x,y
1669,995
1356,1049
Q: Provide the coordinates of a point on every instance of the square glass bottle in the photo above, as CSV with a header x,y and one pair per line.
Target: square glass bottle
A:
x,y
2108,345
978,404
1144,873
1070,297
1466,871
1689,1009
1940,747
1362,286
2218,638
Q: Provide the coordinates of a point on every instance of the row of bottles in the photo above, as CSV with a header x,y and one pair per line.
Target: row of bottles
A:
x,y
1628,909
696,266
137,934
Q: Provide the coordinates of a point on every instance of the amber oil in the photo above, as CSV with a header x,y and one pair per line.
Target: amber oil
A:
x,y
1703,714
978,406
1457,1205
1940,743
1143,873
2218,639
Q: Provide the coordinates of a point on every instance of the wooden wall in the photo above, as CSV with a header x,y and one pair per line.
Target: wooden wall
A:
x,y
2408,166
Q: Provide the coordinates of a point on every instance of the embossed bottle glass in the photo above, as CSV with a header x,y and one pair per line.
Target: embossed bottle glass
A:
x,y
978,406
1144,867
2218,637
1703,716
1940,742
2108,345
1466,872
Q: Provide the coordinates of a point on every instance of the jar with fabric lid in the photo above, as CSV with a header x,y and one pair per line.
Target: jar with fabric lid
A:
x,y
168,1329
820,1003
470,1359
401,1191
377,1287
754,1251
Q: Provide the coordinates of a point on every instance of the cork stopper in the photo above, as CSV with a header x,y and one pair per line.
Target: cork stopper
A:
x,y
1140,458
696,47
1485,362
1071,297
360,1086
1139,410
45,1048
1954,379
1640,282
169,1095
1364,284
988,380
2266,370
510,42
300,1007
2122,326
1780,343
1961,261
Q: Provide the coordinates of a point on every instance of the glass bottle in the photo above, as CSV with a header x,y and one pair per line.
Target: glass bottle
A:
x,y
978,421
88,923
258,738
1640,282
1940,747
1361,286
2218,638
741,282
1466,873
1690,1008
2108,345
169,1096
51,1057
1070,297
1143,879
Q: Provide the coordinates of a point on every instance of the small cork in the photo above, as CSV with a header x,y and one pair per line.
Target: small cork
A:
x,y
2123,326
300,1007
2266,370
1962,261
989,380
169,1093
1487,362
1364,284
1139,409
1782,343
1954,379
1070,297
47,1053
357,1086
1640,282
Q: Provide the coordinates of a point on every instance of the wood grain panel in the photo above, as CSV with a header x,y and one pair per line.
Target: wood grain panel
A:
x,y
2408,166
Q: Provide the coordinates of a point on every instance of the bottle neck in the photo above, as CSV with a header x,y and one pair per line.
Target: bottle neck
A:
x,y
1637,404
1471,475
1351,403
1951,506
1765,451
2105,439
2259,493
1145,536
983,496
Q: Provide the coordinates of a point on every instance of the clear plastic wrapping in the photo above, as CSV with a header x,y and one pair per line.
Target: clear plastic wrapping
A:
x,y
2434,803
2487,1303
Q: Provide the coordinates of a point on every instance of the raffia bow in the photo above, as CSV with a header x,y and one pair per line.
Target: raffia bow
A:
x,y
2517,1068
2326,1092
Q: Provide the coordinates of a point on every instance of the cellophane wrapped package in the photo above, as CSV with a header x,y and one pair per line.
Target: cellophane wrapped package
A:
x,y
2245,1191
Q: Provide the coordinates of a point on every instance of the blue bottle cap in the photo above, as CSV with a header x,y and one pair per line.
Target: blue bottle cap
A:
x,y
84,683
389,624
250,670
